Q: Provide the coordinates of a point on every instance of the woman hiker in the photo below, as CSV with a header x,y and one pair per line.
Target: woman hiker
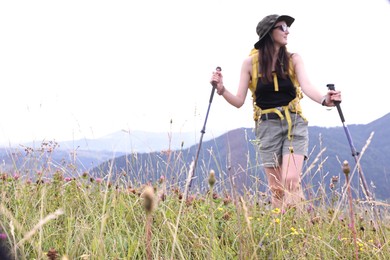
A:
x,y
276,78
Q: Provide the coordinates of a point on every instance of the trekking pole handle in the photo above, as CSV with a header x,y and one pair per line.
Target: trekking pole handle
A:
x,y
214,84
337,103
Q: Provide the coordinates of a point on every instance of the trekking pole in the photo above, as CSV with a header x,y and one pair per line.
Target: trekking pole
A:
x,y
354,153
203,131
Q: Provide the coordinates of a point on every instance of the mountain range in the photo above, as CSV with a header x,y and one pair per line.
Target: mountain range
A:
x,y
146,156
233,154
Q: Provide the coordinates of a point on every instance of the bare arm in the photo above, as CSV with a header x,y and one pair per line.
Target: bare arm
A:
x,y
307,87
238,99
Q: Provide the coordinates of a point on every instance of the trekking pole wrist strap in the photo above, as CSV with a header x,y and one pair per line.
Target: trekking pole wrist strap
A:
x,y
220,92
323,101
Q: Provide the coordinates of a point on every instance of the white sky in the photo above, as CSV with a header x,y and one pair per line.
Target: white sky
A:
x,y
85,69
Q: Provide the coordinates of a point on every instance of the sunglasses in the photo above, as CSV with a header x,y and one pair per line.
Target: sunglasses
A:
x,y
283,27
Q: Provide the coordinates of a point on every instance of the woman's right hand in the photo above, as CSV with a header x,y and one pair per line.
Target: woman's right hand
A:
x,y
217,81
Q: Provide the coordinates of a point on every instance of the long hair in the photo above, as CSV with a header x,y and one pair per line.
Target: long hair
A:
x,y
266,53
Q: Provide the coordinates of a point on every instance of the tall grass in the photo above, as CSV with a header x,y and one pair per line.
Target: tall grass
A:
x,y
66,214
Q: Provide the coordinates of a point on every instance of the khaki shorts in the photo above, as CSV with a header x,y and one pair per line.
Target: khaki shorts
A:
x,y
272,141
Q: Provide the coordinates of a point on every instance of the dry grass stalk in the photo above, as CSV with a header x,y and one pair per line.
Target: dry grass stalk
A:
x,y
346,171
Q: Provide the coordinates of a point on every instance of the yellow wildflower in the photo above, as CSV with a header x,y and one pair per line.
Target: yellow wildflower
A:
x,y
294,231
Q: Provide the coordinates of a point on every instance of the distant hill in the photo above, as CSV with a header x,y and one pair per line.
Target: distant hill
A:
x,y
233,154
85,154
136,141
145,156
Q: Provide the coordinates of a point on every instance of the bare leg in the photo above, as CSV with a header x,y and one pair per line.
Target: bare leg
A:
x,y
275,183
291,179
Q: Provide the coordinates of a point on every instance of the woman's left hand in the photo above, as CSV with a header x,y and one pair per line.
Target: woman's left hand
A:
x,y
331,97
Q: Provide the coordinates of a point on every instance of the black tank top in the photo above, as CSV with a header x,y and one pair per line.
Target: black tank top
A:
x,y
267,97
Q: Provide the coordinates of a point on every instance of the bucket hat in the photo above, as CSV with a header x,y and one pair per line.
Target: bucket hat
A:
x,y
268,22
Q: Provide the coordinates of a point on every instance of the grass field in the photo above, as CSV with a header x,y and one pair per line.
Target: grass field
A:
x,y
62,214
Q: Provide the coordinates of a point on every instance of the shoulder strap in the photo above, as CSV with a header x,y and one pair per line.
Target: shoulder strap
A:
x,y
255,69
293,77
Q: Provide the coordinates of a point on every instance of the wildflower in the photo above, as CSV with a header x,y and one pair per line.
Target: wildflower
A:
x,y
361,246
52,254
276,210
68,179
342,238
227,200
294,231
220,209
162,179
310,208
16,176
190,199
3,236
277,220
226,216
334,179
99,180
250,218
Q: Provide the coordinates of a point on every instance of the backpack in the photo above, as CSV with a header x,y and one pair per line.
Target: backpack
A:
x,y
294,105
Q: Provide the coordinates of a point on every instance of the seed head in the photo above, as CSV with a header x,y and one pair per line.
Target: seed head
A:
x,y
212,179
148,196
346,169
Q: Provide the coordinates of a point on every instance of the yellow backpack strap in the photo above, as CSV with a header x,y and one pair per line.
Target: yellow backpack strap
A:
x,y
255,69
293,77
252,85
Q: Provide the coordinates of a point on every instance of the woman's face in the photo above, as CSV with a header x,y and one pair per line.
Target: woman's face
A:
x,y
280,32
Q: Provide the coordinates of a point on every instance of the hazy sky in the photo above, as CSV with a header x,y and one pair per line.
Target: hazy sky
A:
x,y
84,69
